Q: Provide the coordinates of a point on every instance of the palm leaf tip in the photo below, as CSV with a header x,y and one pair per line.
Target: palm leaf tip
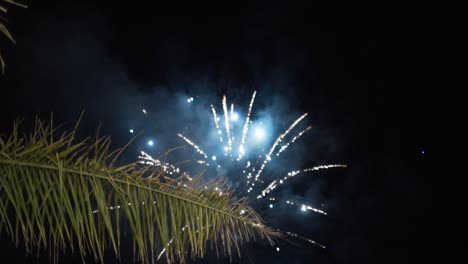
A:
x,y
4,5
60,194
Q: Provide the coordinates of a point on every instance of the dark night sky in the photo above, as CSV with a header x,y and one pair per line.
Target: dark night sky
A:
x,y
371,75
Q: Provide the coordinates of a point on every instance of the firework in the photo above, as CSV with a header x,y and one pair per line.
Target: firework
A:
x,y
248,165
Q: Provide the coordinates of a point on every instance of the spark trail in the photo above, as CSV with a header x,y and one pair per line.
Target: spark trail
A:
x,y
215,118
245,130
291,174
195,146
226,122
278,140
284,147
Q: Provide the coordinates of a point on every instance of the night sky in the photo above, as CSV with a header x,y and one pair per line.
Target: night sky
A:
x,y
371,76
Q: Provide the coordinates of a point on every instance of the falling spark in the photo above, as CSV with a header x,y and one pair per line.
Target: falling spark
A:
x,y
291,174
144,112
164,249
215,118
246,127
226,122
233,117
278,140
284,147
115,207
306,239
305,207
197,148
147,159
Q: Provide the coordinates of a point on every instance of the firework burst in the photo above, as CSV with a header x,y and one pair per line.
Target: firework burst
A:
x,y
236,158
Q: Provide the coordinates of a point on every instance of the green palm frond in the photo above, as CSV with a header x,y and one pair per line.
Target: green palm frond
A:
x,y
3,28
62,195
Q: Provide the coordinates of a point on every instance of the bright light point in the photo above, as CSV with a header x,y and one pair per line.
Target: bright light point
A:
x,y
277,248
303,208
213,158
188,100
271,205
241,150
242,211
423,152
234,116
131,131
150,143
259,132
144,111
281,181
226,148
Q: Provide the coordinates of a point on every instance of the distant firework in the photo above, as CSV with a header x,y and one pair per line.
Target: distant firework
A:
x,y
233,158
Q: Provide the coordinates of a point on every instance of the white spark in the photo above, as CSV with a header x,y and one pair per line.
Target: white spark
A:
x,y
226,122
246,126
216,120
197,148
278,140
284,147
291,174
306,239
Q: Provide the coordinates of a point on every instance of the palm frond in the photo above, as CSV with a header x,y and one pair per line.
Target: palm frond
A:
x,y
3,28
58,194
